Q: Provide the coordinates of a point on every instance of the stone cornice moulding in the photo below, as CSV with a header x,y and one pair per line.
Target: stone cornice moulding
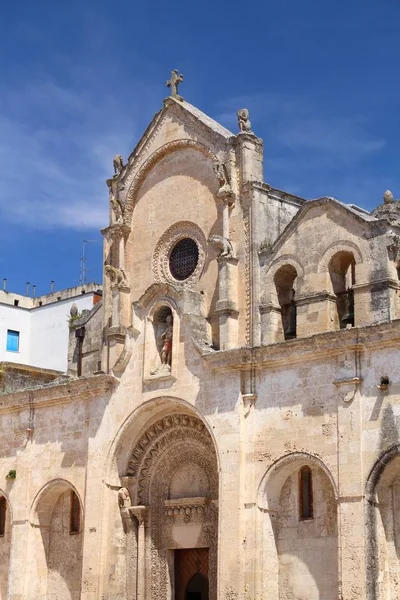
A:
x,y
316,347
83,388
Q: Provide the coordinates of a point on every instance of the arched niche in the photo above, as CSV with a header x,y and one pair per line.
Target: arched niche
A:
x,y
5,543
166,457
383,527
342,274
285,284
161,345
291,540
56,542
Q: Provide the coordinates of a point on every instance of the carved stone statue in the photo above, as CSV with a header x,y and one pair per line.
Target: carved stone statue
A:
x,y
124,498
117,210
222,243
73,311
387,197
166,350
118,163
176,79
243,120
222,176
117,276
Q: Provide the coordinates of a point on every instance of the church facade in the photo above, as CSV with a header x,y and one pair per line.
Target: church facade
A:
x,y
229,429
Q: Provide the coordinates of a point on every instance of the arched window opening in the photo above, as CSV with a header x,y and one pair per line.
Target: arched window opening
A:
x,y
342,273
3,509
75,514
306,493
285,288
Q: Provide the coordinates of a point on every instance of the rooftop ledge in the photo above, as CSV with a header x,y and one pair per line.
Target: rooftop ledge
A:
x,y
58,392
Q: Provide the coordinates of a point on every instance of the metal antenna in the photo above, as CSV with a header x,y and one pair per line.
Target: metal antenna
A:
x,y
84,270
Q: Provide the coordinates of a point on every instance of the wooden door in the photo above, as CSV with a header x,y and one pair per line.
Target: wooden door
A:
x,y
191,574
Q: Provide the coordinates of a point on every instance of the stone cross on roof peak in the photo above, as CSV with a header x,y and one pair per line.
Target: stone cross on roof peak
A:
x,y
176,79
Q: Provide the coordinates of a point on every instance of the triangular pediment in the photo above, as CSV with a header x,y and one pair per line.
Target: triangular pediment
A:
x,y
331,208
178,120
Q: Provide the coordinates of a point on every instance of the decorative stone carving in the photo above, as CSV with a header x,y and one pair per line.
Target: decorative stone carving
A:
x,y
117,276
118,164
223,244
243,120
173,83
178,231
222,176
162,450
117,211
394,246
387,197
124,498
74,311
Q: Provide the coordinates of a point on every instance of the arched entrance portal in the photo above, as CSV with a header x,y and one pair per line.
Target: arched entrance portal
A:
x,y
174,475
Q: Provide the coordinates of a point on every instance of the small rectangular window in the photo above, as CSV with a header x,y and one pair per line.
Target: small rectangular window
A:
x,y
12,340
3,507
16,302
75,514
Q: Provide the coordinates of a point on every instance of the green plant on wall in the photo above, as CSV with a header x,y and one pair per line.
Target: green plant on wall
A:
x,y
266,245
73,319
11,474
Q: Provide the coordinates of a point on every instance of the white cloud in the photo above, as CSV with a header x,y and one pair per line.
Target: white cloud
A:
x,y
56,149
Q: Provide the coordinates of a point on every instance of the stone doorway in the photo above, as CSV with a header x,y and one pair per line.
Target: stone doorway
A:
x,y
191,574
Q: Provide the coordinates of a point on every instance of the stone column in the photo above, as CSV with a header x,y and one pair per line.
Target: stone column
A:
x,y
352,555
140,513
226,306
316,313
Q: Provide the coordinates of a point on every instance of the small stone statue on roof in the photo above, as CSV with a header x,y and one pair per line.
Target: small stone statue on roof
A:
x,y
176,79
118,163
243,120
387,197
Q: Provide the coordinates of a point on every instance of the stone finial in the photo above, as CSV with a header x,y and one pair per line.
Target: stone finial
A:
x,y
118,163
387,197
176,79
73,310
243,120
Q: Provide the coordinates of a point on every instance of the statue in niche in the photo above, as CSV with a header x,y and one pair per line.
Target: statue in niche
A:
x,y
166,348
117,276
124,498
118,163
244,121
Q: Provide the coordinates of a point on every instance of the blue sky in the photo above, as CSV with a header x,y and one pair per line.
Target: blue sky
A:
x,y
80,80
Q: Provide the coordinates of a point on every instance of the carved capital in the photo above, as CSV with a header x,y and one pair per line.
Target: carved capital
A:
x,y
139,512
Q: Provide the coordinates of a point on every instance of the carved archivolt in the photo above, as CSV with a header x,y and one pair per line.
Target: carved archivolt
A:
x,y
171,432
169,444
178,231
151,162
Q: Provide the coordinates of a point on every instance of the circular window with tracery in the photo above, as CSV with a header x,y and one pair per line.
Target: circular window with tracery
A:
x,y
183,259
180,254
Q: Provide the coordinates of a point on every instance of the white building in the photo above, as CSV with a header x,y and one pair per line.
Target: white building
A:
x,y
34,331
